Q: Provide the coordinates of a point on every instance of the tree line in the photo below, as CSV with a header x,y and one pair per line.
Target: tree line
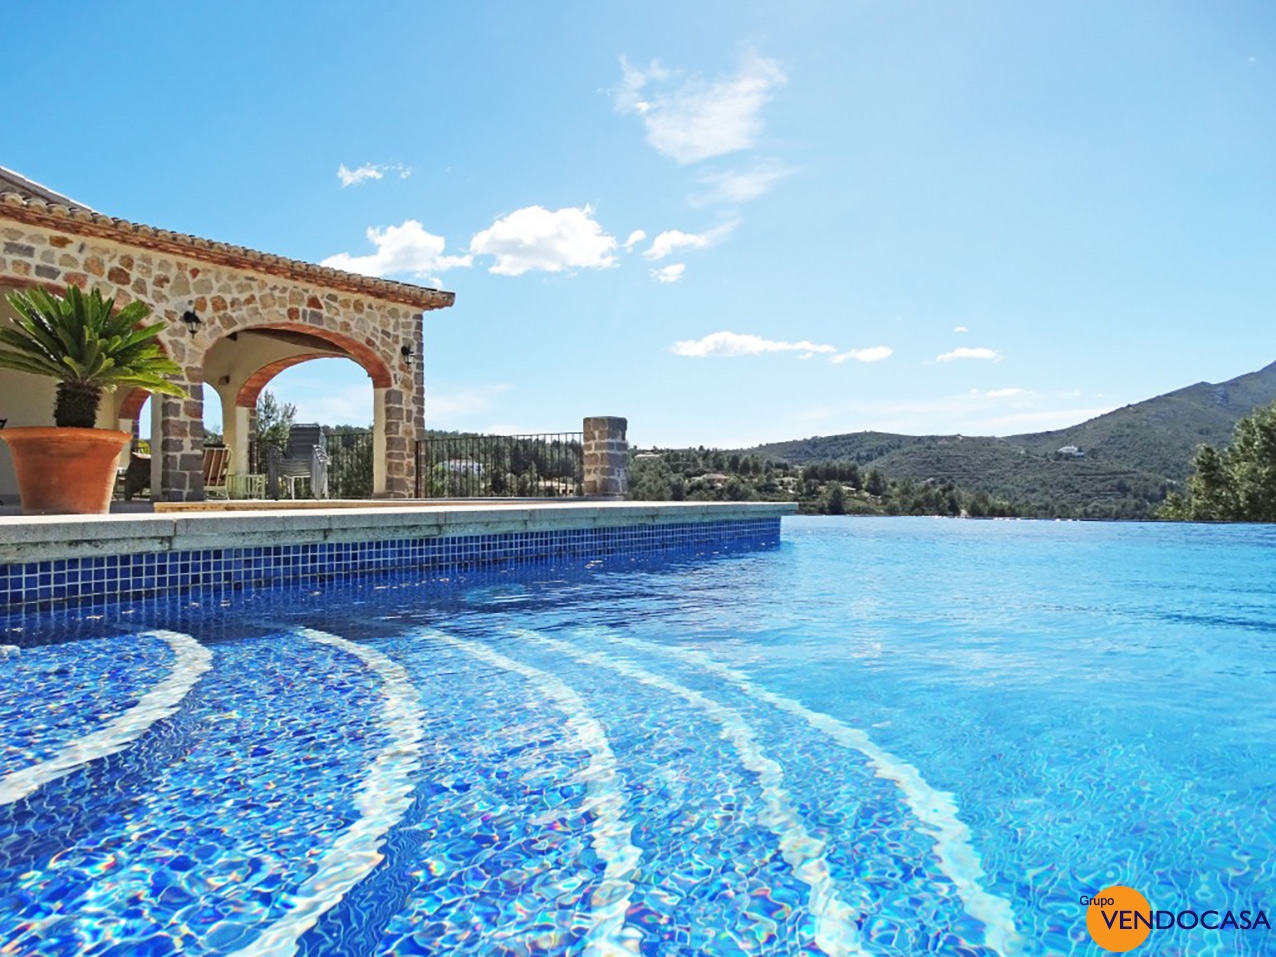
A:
x,y
1234,484
819,488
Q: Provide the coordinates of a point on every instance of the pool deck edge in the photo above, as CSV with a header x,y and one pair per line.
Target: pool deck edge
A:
x,y
54,537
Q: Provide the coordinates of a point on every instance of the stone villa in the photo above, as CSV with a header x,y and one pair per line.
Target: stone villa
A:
x,y
236,318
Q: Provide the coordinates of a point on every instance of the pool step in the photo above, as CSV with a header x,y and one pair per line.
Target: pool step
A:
x,y
511,811
52,696
695,757
472,791
201,847
935,843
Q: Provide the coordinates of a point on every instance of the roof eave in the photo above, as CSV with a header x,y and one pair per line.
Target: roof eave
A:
x,y
86,222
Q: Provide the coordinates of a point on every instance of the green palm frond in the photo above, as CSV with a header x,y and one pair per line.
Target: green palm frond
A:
x,y
31,364
85,339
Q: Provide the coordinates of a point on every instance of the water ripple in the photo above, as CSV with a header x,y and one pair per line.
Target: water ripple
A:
x,y
191,659
836,930
382,799
605,801
934,808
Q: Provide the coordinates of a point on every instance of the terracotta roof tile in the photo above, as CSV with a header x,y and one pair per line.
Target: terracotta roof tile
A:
x,y
12,181
28,206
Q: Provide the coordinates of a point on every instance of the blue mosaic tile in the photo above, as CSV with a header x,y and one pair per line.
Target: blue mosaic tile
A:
x,y
117,576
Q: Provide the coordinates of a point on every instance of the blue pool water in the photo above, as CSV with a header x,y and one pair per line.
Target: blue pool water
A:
x,y
903,736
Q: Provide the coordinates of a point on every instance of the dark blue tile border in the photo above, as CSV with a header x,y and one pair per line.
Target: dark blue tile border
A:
x,y
135,575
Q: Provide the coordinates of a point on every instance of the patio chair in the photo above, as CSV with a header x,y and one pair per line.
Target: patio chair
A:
x,y
216,465
135,477
305,458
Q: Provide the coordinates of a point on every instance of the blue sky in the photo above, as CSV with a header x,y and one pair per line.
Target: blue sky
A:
x,y
985,218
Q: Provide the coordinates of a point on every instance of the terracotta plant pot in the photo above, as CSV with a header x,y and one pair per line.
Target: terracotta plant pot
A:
x,y
65,471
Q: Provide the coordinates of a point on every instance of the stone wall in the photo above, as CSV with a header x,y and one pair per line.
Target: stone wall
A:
x,y
229,299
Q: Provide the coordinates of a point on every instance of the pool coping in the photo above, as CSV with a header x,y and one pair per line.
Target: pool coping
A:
x,y
25,539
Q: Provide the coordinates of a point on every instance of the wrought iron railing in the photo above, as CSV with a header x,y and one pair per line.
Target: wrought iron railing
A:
x,y
349,463
546,465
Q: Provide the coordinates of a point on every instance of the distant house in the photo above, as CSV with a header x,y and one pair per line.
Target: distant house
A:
x,y
462,467
1070,452
647,455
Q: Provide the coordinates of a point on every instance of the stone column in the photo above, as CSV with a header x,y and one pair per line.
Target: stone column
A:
x,y
397,447
416,433
157,460
378,443
606,456
181,448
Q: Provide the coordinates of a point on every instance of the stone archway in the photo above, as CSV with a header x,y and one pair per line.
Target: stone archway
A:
x,y
369,355
239,365
246,397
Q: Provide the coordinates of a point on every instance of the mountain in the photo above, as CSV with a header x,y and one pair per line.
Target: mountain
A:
x,y
1132,455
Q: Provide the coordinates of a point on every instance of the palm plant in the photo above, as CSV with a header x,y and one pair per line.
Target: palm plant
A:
x,y
89,346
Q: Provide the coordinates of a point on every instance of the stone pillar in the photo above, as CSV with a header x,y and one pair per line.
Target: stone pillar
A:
x,y
181,448
378,443
157,460
397,447
416,433
606,456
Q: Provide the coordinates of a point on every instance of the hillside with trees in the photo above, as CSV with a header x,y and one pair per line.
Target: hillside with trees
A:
x,y
819,488
1125,464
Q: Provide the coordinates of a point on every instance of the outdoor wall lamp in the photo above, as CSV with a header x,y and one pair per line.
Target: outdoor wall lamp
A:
x,y
405,350
193,322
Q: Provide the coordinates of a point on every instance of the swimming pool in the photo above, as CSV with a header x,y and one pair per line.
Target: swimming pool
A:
x,y
895,736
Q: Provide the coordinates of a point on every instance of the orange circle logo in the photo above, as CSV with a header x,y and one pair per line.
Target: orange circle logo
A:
x,y
1119,918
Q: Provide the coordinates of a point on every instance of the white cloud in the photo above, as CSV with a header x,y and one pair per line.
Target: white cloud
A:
x,y
400,249
534,238
629,98
696,120
968,353
740,186
671,240
353,177
737,344
871,354
1003,393
670,273
637,236
960,329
